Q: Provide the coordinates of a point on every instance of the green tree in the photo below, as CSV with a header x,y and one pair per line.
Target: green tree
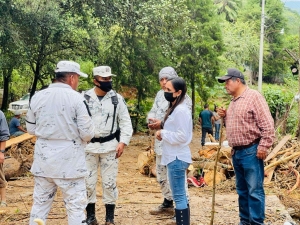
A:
x,y
47,34
9,49
200,46
242,46
273,65
137,31
229,8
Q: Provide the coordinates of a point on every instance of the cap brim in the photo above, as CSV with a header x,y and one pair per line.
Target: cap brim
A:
x,y
102,75
83,74
224,78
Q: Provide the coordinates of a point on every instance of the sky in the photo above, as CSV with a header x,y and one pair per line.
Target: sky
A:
x,y
292,4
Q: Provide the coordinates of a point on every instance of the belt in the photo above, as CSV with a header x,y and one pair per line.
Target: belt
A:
x,y
246,146
104,139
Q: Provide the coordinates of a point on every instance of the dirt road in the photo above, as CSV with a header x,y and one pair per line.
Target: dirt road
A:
x,y
138,194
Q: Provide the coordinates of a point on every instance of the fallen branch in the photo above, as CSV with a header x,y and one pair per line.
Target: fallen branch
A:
x,y
277,148
269,173
297,181
283,160
286,150
214,179
212,139
207,164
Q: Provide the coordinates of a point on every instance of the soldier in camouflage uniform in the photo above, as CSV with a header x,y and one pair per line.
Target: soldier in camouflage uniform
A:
x,y
155,116
104,149
59,118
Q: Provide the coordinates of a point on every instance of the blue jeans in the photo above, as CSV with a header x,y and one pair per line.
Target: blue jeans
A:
x,y
249,172
18,133
177,178
217,131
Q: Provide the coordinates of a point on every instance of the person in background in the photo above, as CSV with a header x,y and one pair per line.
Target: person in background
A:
x,y
250,133
155,118
4,136
206,118
176,135
217,123
58,116
15,127
109,112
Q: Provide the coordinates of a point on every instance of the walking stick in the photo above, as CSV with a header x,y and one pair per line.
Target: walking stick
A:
x,y
214,178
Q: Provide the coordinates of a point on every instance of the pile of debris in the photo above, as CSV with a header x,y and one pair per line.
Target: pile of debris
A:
x,y
281,165
19,156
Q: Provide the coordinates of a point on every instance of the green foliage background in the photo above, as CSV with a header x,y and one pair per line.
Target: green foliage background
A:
x,y
200,39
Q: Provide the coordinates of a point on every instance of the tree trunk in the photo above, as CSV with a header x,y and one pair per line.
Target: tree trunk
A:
x,y
34,84
6,80
193,96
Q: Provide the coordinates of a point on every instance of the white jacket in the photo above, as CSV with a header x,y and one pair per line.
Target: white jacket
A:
x,y
59,118
102,116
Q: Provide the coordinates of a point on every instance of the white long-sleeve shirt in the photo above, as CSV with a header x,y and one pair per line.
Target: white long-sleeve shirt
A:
x,y
59,118
158,111
177,135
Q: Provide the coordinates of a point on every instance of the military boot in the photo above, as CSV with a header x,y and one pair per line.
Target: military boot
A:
x,y
90,215
166,207
110,214
182,216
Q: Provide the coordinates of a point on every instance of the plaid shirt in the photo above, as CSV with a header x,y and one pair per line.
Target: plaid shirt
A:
x,y
248,118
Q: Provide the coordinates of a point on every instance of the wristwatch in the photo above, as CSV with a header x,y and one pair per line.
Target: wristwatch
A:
x,y
3,151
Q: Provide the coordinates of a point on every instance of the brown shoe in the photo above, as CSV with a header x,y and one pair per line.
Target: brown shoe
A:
x,y
166,207
109,223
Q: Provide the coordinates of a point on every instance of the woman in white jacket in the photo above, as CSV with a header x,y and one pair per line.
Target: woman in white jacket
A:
x,y
176,134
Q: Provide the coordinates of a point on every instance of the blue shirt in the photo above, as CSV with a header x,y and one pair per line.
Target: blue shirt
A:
x,y
13,125
206,116
4,134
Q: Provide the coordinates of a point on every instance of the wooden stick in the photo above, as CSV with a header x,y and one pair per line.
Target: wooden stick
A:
x,y
286,150
214,179
212,139
283,160
297,180
18,139
209,164
269,173
278,147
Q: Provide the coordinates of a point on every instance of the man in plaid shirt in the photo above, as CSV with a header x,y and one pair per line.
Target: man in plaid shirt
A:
x,y
250,133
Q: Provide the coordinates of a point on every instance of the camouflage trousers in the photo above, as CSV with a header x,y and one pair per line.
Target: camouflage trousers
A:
x,y
162,179
73,192
108,171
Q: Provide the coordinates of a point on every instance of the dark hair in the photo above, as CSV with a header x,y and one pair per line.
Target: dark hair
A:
x,y
215,109
206,106
178,84
235,78
62,76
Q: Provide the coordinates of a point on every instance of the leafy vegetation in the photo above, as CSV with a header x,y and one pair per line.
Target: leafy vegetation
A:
x,y
200,39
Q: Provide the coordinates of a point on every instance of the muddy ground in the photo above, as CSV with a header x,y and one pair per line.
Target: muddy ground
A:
x,y
139,193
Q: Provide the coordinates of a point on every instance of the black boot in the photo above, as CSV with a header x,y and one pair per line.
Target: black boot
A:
x,y
189,210
166,207
182,216
90,215
110,214
174,216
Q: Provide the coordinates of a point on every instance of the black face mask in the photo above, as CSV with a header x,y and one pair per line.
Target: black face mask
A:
x,y
105,86
169,96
